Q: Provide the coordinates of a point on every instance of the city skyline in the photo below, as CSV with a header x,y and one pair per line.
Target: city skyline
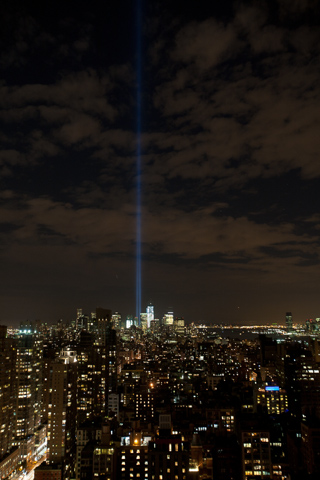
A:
x,y
229,159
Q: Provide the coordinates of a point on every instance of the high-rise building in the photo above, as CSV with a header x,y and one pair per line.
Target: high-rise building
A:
x,y
144,321
29,388
168,319
168,454
310,446
273,399
8,354
150,315
129,321
179,325
88,432
62,412
89,361
102,323
116,319
289,321
256,454
144,400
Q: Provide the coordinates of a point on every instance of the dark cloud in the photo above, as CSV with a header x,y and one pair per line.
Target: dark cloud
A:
x,y
230,145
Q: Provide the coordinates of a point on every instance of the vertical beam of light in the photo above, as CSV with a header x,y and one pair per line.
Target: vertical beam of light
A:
x,y
138,164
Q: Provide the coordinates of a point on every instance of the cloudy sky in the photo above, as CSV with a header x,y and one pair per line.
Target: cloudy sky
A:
x,y
230,113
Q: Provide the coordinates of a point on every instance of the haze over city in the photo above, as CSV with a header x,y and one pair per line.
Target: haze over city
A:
x,y
229,159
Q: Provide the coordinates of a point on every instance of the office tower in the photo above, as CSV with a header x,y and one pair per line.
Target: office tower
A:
x,y
29,388
289,321
82,322
79,319
168,319
144,321
106,345
8,354
129,321
299,373
89,372
91,322
111,363
150,315
97,365
102,323
178,325
116,319
62,411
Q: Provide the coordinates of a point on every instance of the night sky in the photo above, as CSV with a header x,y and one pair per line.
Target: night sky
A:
x,y
230,105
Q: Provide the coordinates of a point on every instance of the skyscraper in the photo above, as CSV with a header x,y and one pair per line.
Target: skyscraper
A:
x,y
29,388
62,411
8,354
289,321
150,315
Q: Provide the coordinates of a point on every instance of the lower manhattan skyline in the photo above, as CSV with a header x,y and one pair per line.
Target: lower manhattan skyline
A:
x,y
225,124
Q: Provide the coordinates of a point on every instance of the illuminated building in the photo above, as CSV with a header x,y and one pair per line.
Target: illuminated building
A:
x,y
144,321
89,374
88,431
301,378
103,462
111,361
222,419
80,320
8,353
102,323
99,362
62,410
256,454
132,459
179,325
9,458
29,389
150,315
168,454
95,452
144,400
10,464
116,319
168,319
273,399
129,321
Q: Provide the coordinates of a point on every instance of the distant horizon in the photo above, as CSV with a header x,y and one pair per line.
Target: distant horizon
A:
x,y
15,324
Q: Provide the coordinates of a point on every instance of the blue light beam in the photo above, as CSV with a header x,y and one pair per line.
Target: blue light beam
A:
x,y
138,165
